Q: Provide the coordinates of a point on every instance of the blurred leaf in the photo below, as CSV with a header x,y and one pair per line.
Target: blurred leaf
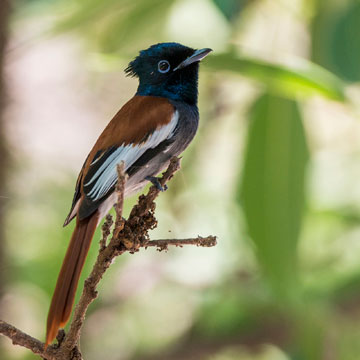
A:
x,y
310,332
87,11
310,79
272,190
115,23
336,44
135,23
230,8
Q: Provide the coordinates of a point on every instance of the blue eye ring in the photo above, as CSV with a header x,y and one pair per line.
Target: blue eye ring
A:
x,y
163,66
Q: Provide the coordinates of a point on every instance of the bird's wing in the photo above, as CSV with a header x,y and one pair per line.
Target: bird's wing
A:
x,y
142,124
102,173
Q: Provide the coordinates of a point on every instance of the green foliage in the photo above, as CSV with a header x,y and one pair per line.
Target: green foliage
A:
x,y
309,80
335,42
116,24
124,29
230,8
85,12
314,291
272,192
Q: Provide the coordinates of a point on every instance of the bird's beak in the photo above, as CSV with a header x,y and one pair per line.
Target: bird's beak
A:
x,y
196,56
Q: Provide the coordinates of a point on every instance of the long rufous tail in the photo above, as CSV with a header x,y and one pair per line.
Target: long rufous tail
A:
x,y
64,294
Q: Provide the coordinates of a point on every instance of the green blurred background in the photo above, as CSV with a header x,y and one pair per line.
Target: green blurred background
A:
x,y
273,172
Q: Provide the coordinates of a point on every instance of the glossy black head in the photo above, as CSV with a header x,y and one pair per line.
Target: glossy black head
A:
x,y
168,70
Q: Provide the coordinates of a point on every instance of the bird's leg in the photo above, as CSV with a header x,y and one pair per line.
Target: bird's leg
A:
x,y
155,181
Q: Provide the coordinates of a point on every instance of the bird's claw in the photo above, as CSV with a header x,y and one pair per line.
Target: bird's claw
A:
x,y
155,181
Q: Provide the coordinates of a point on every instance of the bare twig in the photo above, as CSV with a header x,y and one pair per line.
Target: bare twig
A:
x,y
120,189
199,241
128,235
106,230
20,338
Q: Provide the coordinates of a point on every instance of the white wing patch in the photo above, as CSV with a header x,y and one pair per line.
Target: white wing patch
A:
x,y
106,176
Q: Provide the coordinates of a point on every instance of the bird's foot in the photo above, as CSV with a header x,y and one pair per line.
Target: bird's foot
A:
x,y
155,181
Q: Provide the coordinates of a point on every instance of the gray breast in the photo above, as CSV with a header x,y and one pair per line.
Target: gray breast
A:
x,y
157,159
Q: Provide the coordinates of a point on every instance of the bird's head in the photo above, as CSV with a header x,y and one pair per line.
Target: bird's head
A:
x,y
168,70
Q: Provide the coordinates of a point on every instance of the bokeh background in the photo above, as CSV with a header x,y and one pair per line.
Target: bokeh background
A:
x,y
273,172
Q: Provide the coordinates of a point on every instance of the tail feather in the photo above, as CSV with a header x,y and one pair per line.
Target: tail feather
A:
x,y
65,290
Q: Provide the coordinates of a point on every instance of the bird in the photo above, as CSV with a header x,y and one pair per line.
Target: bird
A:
x,y
157,123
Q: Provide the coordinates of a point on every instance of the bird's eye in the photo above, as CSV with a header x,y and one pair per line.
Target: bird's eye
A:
x,y
163,66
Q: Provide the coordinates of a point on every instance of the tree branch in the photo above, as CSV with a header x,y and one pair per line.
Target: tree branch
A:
x,y
127,236
20,338
199,241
